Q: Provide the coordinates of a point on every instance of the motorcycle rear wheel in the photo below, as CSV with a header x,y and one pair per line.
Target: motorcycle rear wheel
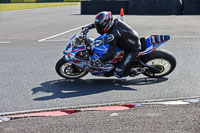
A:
x,y
162,60
68,70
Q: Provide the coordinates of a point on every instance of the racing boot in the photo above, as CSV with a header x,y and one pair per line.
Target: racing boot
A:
x,y
119,75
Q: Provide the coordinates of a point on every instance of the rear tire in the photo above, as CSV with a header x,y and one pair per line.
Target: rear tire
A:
x,y
162,60
68,70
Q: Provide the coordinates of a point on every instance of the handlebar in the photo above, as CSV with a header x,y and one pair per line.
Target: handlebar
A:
x,y
84,34
87,41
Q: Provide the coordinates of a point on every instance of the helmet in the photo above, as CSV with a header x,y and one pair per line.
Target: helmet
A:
x,y
103,22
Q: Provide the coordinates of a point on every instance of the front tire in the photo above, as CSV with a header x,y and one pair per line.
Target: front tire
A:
x,y
68,70
161,59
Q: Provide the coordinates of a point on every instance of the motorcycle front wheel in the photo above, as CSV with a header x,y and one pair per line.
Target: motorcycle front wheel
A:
x,y
68,70
162,60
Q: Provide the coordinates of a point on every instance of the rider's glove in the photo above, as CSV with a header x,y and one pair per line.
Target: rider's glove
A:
x,y
85,30
95,63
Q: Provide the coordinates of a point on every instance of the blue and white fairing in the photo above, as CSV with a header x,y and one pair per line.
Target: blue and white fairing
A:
x,y
153,42
100,46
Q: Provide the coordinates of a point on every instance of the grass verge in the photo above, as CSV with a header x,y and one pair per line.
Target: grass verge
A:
x,y
22,6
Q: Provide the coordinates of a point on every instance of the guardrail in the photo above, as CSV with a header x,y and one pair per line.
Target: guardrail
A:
x,y
191,7
155,7
94,7
143,7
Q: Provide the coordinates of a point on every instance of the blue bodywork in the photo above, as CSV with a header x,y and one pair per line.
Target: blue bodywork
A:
x,y
102,47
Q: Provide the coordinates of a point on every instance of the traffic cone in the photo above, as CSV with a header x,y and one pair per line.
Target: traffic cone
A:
x,y
122,15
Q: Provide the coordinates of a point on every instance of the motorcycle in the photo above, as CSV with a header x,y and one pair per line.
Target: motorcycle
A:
x,y
80,49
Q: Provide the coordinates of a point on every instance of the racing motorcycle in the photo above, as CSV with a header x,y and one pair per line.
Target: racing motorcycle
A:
x,y
80,50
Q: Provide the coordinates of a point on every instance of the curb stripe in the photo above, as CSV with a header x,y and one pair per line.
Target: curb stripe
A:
x,y
106,108
65,112
142,102
169,103
54,113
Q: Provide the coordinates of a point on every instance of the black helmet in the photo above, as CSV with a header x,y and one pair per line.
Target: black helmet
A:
x,y
103,22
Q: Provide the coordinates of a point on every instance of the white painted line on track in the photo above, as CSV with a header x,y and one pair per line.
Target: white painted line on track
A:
x,y
65,32
47,38
6,42
169,103
61,40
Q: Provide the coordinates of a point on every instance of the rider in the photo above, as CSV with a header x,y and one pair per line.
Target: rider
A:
x,y
119,35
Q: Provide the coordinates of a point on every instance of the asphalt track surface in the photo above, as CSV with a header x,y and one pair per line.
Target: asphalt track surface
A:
x,y
28,80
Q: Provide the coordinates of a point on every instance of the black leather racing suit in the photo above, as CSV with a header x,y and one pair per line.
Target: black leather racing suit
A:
x,y
123,36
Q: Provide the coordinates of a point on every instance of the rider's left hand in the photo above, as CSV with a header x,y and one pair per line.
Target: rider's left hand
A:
x,y
85,30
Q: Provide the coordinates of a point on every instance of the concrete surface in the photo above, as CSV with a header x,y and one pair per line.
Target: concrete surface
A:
x,y
147,118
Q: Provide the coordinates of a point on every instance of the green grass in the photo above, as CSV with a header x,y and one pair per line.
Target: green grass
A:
x,y
17,1
21,6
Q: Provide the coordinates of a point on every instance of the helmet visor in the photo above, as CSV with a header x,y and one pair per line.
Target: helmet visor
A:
x,y
99,27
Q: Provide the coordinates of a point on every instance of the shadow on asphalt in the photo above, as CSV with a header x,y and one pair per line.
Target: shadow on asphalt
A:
x,y
76,88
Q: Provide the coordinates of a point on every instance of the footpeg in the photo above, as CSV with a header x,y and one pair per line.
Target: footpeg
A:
x,y
137,71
